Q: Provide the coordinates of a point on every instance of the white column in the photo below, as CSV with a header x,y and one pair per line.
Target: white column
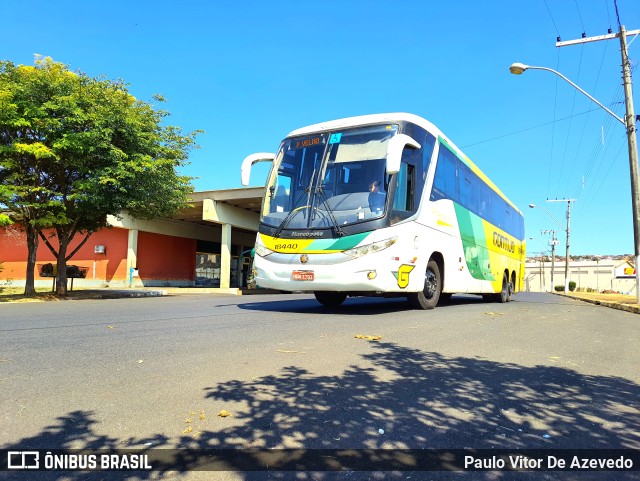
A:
x,y
225,256
132,254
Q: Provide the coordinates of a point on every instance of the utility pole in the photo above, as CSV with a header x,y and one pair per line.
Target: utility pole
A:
x,y
554,243
630,125
568,231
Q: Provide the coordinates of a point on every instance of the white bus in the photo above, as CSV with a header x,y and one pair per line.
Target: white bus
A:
x,y
384,205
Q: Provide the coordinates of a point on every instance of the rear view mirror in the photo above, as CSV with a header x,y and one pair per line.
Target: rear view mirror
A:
x,y
394,151
245,170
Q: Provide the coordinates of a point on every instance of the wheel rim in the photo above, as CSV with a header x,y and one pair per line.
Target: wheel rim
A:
x,y
430,284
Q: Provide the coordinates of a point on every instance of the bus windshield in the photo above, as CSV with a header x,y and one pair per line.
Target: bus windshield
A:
x,y
329,179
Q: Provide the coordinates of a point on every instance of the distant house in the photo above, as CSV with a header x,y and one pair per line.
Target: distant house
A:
x,y
599,275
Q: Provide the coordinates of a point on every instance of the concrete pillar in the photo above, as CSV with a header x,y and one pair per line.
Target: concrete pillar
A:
x,y
225,257
132,254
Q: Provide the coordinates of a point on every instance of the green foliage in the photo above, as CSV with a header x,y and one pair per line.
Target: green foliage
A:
x,y
572,286
74,149
559,288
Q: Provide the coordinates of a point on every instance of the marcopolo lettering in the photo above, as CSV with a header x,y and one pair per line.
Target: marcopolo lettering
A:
x,y
503,243
315,233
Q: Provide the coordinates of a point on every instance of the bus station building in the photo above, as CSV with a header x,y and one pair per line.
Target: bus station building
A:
x,y
201,246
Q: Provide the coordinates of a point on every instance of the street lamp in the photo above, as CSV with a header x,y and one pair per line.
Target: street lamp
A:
x,y
629,123
519,68
568,232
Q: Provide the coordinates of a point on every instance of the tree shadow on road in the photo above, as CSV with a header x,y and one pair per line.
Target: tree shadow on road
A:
x,y
403,398
427,400
77,430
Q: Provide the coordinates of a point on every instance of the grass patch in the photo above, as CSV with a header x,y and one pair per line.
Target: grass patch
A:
x,y
43,294
16,294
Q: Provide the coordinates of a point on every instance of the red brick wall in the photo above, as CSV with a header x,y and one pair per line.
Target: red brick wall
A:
x,y
163,257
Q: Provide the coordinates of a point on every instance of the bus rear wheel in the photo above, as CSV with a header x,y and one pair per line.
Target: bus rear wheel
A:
x,y
429,296
330,299
505,293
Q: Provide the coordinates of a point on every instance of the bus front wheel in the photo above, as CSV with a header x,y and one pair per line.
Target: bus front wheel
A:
x,y
429,296
330,299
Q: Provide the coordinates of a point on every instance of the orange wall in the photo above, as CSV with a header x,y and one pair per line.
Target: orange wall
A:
x,y
163,257
160,257
109,266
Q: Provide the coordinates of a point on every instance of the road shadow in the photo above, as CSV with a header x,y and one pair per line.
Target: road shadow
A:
x,y
428,400
79,430
352,306
404,398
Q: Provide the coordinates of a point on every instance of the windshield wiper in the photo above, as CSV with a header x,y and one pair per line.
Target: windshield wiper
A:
x,y
286,220
325,203
289,216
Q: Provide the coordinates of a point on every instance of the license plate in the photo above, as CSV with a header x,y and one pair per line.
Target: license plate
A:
x,y
302,276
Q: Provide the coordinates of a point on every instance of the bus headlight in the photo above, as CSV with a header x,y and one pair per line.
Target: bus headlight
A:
x,y
371,248
262,251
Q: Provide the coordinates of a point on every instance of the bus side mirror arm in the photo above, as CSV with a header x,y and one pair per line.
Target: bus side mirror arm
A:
x,y
245,171
394,151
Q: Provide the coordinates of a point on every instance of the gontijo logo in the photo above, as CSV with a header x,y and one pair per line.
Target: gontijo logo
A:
x,y
503,242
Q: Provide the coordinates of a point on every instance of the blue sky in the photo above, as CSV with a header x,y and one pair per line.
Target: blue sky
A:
x,y
248,73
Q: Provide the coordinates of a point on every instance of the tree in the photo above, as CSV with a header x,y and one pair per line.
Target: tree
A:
x,y
75,149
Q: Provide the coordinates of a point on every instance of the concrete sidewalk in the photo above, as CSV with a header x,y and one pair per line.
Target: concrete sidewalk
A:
x,y
114,293
622,302
233,291
12,295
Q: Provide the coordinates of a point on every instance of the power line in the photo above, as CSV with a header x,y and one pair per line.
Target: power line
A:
x,y
552,20
584,128
615,4
590,201
598,144
580,17
526,130
553,130
566,143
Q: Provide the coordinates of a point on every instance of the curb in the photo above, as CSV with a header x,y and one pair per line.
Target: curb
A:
x,y
120,295
255,292
611,305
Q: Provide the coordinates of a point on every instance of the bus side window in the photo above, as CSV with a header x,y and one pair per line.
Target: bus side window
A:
x,y
466,184
427,150
445,183
403,199
485,195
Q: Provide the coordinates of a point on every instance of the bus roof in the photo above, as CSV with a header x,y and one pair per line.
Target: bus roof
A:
x,y
399,117
366,120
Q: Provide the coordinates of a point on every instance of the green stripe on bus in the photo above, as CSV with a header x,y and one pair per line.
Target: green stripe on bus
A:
x,y
348,242
343,244
474,243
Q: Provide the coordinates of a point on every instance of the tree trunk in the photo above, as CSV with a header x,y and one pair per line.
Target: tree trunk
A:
x,y
61,280
32,251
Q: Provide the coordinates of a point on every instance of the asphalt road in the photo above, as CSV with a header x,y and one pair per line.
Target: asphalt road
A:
x,y
540,372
